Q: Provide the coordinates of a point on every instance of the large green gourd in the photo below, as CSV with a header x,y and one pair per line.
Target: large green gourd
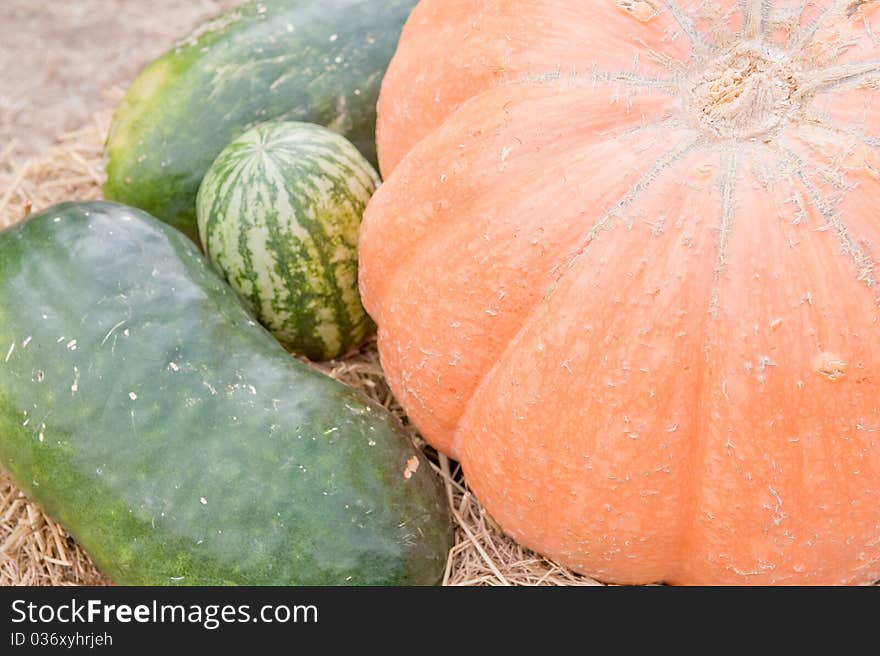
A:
x,y
144,409
318,61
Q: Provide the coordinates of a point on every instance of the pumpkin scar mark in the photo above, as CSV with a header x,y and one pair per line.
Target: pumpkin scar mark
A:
x,y
841,77
855,6
687,25
800,211
804,36
829,365
778,514
667,62
633,80
755,572
728,208
643,11
786,19
641,185
870,30
832,171
856,135
862,260
646,126
756,17
596,77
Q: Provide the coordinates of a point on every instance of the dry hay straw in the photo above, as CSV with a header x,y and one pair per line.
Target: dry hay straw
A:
x,y
34,550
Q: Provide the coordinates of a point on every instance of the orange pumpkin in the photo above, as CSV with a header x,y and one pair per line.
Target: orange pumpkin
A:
x,y
624,269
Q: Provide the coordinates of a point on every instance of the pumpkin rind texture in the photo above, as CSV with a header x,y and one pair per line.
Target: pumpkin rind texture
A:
x,y
279,213
319,61
624,268
147,412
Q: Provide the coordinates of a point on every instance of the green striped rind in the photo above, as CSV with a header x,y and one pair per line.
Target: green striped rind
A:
x,y
279,213
145,410
318,61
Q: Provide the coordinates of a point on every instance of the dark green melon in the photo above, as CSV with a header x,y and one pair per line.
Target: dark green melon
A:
x,y
144,409
318,61
279,213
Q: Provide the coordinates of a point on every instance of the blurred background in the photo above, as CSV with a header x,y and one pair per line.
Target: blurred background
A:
x,y
58,58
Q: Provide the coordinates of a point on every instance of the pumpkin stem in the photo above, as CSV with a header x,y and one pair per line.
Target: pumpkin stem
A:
x,y
747,91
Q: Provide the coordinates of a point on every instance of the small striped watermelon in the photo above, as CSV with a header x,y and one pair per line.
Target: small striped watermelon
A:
x,y
279,213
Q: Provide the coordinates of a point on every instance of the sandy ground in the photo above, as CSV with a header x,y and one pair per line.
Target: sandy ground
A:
x,y
58,57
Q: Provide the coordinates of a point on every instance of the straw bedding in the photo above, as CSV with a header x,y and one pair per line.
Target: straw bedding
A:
x,y
34,550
